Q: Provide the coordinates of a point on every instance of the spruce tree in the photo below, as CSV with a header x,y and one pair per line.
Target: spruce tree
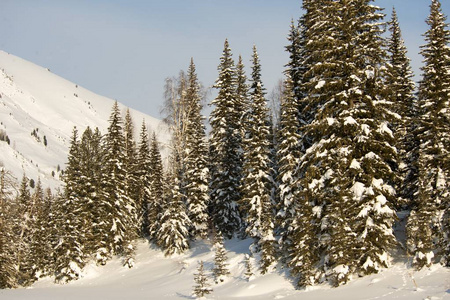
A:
x,y
347,174
220,269
144,176
156,188
8,273
201,287
120,225
173,232
70,255
224,152
196,159
427,226
400,93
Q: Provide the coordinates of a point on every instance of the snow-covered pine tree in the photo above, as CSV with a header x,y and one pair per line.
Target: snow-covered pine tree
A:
x,y
144,173
400,94
90,159
256,203
347,173
156,188
428,230
39,217
224,152
289,150
8,273
220,269
202,286
132,169
248,267
69,251
120,225
195,155
173,232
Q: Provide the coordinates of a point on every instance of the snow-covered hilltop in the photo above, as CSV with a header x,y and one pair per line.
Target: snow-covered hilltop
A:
x,y
38,111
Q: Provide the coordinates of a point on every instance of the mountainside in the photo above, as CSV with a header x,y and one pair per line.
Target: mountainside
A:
x,y
38,111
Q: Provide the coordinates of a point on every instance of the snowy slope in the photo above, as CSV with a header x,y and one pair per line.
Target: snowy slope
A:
x,y
157,277
34,99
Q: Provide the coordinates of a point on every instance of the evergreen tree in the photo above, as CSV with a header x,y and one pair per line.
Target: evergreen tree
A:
x,y
8,273
132,168
120,225
400,93
173,233
347,174
248,267
427,227
201,287
144,173
224,152
195,159
70,255
156,188
220,270
256,203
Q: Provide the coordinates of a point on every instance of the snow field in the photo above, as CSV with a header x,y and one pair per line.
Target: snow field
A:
x,y
157,277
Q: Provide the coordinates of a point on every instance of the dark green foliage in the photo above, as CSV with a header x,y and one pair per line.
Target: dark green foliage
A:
x,y
399,88
201,287
173,234
256,203
220,270
196,174
8,272
156,188
427,227
225,148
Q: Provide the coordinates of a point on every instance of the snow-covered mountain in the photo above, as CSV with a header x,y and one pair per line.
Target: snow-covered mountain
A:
x,y
38,111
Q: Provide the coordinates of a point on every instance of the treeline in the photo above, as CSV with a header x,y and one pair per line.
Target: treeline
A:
x,y
318,191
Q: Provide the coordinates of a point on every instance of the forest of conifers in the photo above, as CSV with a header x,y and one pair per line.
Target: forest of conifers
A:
x,y
319,189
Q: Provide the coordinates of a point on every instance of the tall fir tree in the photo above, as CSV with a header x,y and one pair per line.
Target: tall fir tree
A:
x,y
70,254
144,176
173,232
8,269
256,203
196,159
347,173
120,226
400,93
156,188
428,226
224,152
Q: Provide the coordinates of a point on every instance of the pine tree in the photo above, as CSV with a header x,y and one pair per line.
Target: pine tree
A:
x,y
195,159
256,202
69,251
120,226
173,233
8,273
400,93
347,174
201,287
156,188
144,175
90,159
248,267
220,270
427,227
38,244
224,152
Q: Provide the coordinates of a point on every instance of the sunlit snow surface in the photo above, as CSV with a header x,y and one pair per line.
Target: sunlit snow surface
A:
x,y
158,277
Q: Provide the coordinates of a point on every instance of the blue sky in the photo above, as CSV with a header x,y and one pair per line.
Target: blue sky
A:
x,y
124,49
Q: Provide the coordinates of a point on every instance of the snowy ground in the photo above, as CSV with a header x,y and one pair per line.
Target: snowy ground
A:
x,y
157,277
